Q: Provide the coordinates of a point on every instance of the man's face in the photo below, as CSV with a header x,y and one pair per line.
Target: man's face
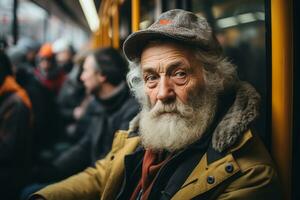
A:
x,y
170,72
46,64
90,77
179,107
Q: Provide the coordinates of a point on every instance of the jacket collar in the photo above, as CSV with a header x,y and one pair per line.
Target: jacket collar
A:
x,y
213,155
112,103
213,167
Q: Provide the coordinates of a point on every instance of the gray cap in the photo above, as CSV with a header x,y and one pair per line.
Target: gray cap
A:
x,y
179,25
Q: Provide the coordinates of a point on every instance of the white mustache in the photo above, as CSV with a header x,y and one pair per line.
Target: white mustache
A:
x,y
177,107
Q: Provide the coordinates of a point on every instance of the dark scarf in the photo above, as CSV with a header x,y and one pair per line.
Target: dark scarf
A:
x,y
114,102
152,163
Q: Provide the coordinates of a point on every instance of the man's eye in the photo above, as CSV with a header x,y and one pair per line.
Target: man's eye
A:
x,y
180,74
180,77
150,77
151,80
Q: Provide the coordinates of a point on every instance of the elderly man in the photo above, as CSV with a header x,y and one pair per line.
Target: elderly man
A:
x,y
192,138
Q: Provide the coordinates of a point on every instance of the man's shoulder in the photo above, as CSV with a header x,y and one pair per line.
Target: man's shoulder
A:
x,y
125,135
255,167
250,152
13,101
125,141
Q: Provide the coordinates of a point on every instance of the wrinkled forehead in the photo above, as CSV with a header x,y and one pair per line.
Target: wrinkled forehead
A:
x,y
170,43
167,52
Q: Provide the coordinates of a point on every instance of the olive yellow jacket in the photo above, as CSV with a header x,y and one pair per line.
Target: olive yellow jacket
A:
x,y
244,171
256,180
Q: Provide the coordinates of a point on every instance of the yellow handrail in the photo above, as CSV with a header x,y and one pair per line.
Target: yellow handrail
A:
x,y
116,35
282,87
135,15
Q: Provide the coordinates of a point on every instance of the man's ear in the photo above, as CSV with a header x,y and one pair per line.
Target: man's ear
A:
x,y
101,78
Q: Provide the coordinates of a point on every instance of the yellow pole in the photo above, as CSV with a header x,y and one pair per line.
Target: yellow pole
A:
x,y
116,37
107,40
101,14
135,15
282,87
96,40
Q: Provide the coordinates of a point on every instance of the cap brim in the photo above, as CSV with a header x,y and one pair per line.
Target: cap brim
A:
x,y
135,43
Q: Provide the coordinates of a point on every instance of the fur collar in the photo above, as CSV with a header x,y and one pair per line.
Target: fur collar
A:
x,y
237,119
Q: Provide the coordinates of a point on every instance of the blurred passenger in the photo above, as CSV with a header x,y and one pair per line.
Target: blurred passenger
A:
x,y
23,58
30,48
23,72
47,71
193,138
51,79
111,109
71,96
15,132
64,53
43,102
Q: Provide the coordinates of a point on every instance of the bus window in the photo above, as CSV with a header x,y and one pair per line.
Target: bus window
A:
x,y
125,20
36,23
147,11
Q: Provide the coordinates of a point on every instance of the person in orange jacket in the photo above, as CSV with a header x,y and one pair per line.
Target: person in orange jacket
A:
x,y
15,132
50,76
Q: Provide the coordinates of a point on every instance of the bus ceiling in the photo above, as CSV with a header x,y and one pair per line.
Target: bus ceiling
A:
x,y
67,9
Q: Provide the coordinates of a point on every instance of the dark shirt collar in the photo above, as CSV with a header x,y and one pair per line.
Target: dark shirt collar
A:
x,y
115,101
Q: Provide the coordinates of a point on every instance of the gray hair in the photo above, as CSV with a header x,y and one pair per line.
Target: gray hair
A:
x,y
219,74
135,80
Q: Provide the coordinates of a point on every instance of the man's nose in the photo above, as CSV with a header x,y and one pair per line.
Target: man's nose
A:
x,y
82,76
165,91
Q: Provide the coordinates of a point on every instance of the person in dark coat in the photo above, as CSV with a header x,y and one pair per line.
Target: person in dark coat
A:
x,y
71,96
111,109
15,132
44,106
50,79
47,70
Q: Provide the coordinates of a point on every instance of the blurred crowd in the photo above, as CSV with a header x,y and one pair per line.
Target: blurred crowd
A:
x,y
59,110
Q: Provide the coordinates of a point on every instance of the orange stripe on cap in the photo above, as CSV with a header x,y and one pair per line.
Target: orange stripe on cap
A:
x,y
165,21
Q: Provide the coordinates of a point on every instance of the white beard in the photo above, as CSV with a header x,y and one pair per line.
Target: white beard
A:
x,y
174,126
